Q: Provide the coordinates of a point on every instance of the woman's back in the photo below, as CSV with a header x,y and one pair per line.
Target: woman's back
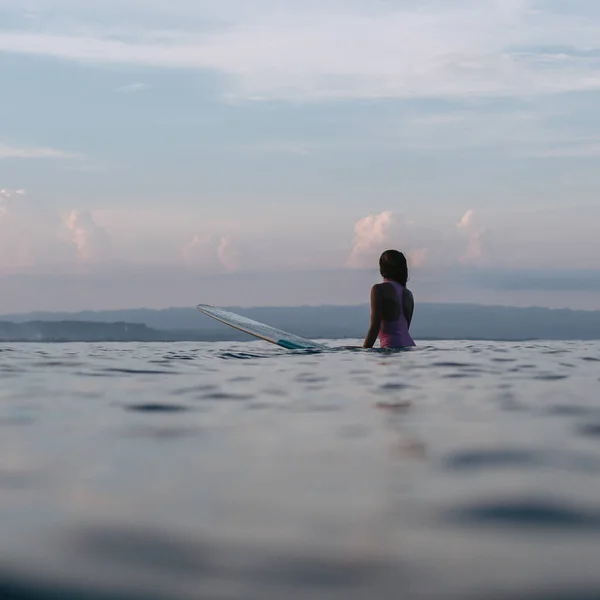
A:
x,y
394,329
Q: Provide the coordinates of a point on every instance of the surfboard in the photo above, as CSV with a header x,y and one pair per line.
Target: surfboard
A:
x,y
259,330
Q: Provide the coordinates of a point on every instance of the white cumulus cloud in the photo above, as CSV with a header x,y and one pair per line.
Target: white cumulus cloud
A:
x,y
227,253
466,219
91,241
6,193
418,258
445,244
475,239
210,253
370,239
29,233
34,236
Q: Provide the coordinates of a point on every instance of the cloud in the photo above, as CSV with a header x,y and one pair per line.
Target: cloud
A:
x,y
34,236
375,233
211,254
29,234
466,219
418,258
91,241
133,88
6,193
333,49
227,253
7,151
475,251
370,239
424,246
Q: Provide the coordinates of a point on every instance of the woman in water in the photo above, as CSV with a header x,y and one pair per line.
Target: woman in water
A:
x,y
392,304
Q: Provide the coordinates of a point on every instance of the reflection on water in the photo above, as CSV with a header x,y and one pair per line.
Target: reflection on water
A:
x,y
188,471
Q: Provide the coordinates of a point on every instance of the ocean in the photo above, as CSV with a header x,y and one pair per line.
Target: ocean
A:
x,y
457,470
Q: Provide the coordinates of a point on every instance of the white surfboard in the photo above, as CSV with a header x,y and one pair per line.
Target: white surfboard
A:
x,y
259,330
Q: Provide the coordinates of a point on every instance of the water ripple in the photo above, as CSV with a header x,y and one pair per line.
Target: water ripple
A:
x,y
157,408
530,514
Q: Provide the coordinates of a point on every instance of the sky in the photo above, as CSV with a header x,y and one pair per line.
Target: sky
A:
x,y
215,140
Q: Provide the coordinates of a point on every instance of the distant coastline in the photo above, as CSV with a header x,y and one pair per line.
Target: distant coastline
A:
x,y
431,322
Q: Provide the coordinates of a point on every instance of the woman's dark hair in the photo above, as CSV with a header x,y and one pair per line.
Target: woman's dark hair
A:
x,y
393,265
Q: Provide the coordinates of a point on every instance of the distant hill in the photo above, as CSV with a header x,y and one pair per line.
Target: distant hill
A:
x,y
431,321
77,331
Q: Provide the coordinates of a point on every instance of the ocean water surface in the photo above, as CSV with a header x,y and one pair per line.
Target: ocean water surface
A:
x,y
458,470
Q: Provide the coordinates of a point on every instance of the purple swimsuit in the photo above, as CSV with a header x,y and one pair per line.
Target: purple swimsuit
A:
x,y
394,334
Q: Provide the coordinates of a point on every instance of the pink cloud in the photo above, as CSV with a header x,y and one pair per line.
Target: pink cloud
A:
x,y
370,239
207,253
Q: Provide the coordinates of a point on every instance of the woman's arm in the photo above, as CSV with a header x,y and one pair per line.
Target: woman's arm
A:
x,y
375,323
408,305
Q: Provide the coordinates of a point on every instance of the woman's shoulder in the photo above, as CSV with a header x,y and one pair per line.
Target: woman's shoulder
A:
x,y
383,287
